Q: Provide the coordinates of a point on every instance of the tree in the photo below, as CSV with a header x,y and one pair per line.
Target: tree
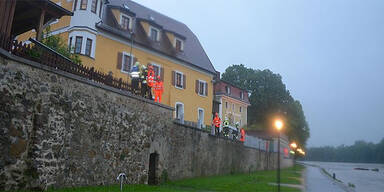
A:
x,y
269,98
359,152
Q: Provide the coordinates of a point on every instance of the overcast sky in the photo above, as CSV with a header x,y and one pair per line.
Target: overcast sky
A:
x,y
330,54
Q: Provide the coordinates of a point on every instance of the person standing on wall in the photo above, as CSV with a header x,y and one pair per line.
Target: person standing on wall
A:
x,y
242,135
150,80
158,89
135,77
216,123
144,82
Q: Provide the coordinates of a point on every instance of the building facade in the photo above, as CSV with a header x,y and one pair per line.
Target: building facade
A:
x,y
111,35
231,102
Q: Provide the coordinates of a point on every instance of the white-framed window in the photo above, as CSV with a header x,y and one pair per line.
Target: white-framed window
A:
x,y
88,47
78,44
127,62
70,45
227,90
82,42
154,34
179,79
179,44
156,69
200,118
94,6
179,111
83,4
241,95
202,91
125,21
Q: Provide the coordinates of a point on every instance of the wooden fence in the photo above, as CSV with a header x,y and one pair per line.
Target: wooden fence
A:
x,y
46,56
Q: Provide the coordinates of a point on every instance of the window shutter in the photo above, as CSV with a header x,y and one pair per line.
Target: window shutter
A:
x,y
206,89
197,87
184,82
162,74
119,60
173,78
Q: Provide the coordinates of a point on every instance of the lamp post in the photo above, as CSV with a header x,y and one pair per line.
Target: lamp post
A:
x,y
278,125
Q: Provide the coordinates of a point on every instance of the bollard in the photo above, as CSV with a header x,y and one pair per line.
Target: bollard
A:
x,y
121,178
334,176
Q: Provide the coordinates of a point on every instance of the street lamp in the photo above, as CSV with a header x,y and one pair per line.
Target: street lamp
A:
x,y
278,125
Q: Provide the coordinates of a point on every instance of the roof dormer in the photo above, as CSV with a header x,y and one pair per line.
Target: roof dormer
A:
x,y
154,33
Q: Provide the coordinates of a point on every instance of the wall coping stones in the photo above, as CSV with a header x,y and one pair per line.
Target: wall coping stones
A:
x,y
34,64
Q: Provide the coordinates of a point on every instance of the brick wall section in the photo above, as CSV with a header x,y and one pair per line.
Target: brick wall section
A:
x,y
219,89
59,130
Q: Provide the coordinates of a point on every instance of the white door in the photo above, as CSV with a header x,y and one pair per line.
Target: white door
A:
x,y
180,112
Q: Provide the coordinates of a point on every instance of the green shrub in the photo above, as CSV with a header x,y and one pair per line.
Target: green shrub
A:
x,y
56,43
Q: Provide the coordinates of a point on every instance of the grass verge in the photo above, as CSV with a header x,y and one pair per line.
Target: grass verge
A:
x,y
256,181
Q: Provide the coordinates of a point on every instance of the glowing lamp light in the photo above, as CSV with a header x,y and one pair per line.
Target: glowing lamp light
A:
x,y
293,145
278,124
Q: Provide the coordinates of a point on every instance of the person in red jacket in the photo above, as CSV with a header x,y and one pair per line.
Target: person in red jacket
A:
x,y
150,80
216,122
158,89
242,135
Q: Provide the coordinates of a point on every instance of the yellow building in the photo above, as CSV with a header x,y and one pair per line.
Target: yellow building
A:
x,y
110,35
231,102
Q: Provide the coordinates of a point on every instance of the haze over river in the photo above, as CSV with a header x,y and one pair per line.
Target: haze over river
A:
x,y
364,180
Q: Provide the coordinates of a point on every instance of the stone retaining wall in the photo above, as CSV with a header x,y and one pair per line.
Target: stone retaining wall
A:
x,y
59,130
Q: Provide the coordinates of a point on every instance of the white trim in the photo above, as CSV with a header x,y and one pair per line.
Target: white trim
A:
x,y
237,101
122,62
158,32
182,104
202,121
182,43
182,80
142,48
204,82
130,20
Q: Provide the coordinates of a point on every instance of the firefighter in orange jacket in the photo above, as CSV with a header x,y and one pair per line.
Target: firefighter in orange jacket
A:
x,y
150,80
242,135
216,123
158,89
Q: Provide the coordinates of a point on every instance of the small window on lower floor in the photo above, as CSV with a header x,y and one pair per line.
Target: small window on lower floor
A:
x,y
202,88
126,63
78,44
88,47
179,80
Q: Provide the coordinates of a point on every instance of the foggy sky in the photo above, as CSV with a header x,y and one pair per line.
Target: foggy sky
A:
x,y
330,54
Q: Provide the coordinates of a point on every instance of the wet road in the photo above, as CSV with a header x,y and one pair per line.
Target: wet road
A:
x,y
316,181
